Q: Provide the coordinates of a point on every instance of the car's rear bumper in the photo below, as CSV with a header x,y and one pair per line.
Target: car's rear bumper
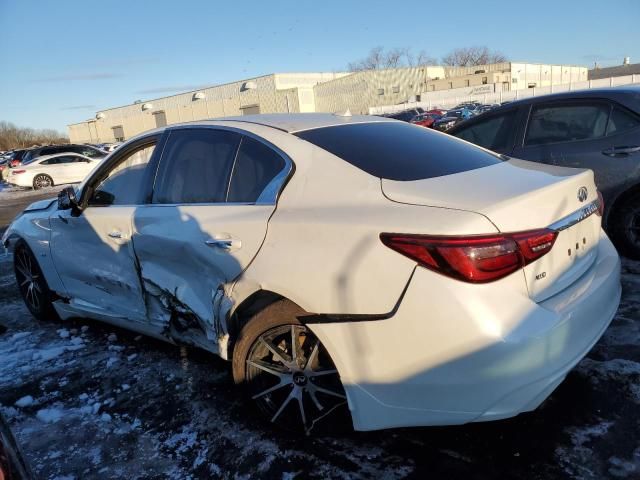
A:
x,y
456,353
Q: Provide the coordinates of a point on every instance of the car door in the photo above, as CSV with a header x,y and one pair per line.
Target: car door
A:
x,y
583,133
92,249
63,169
214,192
492,131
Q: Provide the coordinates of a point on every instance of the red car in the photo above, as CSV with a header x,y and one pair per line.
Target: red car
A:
x,y
426,119
437,111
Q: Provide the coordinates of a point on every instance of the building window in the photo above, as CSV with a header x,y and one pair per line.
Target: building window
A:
x,y
396,89
485,80
531,85
381,91
514,80
433,87
160,118
118,133
450,84
466,83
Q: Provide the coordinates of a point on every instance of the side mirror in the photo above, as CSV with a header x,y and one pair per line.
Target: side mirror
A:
x,y
67,199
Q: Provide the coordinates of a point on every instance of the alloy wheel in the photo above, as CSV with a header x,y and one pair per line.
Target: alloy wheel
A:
x,y
28,276
292,379
42,181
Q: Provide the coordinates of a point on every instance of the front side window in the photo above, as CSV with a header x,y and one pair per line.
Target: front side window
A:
x,y
566,123
196,166
493,133
124,181
255,166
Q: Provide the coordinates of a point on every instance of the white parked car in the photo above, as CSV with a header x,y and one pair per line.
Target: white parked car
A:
x,y
50,170
336,261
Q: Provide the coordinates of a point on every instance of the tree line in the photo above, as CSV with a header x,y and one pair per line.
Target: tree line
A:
x,y
379,58
12,136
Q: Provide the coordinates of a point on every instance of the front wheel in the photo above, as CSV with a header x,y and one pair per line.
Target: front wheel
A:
x,y
42,181
32,284
288,373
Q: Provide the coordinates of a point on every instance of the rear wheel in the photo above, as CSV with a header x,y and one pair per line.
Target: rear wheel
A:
x,y
42,181
31,282
288,373
626,227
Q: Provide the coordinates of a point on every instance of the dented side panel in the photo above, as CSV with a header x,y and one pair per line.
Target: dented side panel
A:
x,y
94,256
188,257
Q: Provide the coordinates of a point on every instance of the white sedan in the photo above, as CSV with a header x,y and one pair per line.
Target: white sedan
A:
x,y
337,262
50,170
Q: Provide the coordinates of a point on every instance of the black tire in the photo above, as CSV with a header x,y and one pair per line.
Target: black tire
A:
x,y
625,227
298,393
32,284
42,181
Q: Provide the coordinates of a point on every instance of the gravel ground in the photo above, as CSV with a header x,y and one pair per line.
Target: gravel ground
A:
x,y
90,401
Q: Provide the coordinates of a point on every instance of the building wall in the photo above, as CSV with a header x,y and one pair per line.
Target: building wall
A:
x,y
292,92
361,90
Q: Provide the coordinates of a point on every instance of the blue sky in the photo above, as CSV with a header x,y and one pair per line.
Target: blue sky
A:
x,y
61,61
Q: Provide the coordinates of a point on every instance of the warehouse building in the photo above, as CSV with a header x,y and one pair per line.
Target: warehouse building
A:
x,y
275,93
358,92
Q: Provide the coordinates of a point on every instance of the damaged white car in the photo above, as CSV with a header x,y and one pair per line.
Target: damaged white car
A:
x,y
337,261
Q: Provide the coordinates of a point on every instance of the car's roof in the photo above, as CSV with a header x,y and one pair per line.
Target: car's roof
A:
x,y
612,92
61,154
296,122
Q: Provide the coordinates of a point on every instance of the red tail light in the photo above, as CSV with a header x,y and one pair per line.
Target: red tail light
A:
x,y
15,172
476,258
600,204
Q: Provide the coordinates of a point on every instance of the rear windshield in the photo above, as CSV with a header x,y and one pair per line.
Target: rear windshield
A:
x,y
399,151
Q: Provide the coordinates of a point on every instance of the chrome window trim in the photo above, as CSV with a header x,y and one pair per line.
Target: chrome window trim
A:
x,y
576,217
269,195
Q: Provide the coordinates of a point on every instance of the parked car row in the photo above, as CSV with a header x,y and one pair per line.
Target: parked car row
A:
x,y
441,119
49,165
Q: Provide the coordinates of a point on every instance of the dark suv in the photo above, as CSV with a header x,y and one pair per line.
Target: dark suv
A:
x,y
86,150
597,129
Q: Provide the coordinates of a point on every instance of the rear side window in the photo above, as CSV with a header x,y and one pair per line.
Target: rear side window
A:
x,y
255,166
399,151
196,166
493,132
567,123
621,121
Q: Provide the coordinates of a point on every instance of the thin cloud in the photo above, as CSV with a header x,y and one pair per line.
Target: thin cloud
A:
x,y
80,107
82,76
174,88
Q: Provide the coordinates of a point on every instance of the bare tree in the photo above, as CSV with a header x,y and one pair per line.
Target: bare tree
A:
x,y
12,137
398,57
470,56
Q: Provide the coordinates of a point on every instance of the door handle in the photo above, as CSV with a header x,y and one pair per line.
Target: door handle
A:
x,y
224,243
622,150
115,234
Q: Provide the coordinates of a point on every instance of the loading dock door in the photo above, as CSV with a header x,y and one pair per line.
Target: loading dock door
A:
x,y
161,118
250,109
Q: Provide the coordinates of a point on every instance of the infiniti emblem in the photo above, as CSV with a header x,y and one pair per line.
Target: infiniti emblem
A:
x,y
582,194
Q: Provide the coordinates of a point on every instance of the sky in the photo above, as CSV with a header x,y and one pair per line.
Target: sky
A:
x,y
62,61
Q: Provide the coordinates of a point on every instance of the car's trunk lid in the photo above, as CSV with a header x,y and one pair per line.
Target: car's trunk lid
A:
x,y
517,196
